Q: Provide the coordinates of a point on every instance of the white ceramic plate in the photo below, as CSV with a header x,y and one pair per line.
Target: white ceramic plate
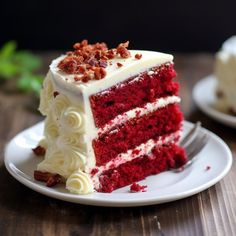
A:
x,y
205,98
165,187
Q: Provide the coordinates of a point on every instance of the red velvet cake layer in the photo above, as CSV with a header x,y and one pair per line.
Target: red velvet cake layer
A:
x,y
136,131
130,94
162,159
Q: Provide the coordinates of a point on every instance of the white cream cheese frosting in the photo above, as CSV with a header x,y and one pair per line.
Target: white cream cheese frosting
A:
x,y
69,125
79,183
46,95
72,120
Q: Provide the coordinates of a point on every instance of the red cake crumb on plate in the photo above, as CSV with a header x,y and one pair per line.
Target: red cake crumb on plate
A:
x,y
207,168
134,188
39,150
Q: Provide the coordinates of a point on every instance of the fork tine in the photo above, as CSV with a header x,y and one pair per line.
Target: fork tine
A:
x,y
193,149
197,146
193,143
190,134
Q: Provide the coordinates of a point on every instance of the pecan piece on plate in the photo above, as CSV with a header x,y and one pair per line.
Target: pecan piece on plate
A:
x,y
49,178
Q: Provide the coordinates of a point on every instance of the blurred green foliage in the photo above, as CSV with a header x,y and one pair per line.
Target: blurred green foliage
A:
x,y
21,66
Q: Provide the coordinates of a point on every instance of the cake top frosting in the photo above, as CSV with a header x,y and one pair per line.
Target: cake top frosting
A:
x,y
104,67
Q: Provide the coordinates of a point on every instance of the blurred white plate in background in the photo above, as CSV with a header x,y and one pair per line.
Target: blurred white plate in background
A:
x,y
205,98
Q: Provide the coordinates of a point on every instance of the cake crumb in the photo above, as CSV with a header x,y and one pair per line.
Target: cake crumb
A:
x,y
138,56
134,188
119,64
207,168
55,93
77,78
39,150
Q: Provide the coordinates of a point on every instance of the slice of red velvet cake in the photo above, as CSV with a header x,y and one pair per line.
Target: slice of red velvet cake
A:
x,y
112,118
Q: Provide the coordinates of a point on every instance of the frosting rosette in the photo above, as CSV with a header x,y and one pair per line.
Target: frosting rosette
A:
x,y
67,140
72,120
51,130
74,159
57,161
79,183
60,103
43,143
54,163
46,95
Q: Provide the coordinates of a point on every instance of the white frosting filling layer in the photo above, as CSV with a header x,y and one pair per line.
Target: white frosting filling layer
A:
x,y
46,95
139,111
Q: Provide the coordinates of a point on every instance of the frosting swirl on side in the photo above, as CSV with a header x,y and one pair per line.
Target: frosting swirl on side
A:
x,y
74,159
70,139
54,163
46,95
43,143
64,139
72,120
79,183
60,103
63,161
51,130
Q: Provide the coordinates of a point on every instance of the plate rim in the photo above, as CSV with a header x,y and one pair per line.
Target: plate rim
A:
x,y
87,200
206,108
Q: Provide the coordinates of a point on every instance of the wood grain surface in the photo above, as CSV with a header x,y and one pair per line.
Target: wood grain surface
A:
x,y
25,212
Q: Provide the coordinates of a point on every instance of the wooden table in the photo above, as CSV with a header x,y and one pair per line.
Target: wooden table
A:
x,y
25,212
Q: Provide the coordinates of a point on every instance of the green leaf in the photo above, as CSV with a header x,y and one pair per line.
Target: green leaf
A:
x,y
29,82
7,50
20,65
27,60
8,69
36,83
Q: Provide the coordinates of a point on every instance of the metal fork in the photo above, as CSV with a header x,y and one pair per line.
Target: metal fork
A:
x,y
193,143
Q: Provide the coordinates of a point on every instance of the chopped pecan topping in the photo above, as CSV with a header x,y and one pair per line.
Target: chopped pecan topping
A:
x,y
77,78
103,64
50,179
39,150
122,50
90,60
55,93
100,73
119,64
53,180
138,56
